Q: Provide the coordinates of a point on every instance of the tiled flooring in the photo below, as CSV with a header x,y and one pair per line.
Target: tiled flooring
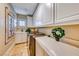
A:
x,y
19,50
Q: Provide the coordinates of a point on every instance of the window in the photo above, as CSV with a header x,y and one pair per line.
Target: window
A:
x,y
21,23
15,23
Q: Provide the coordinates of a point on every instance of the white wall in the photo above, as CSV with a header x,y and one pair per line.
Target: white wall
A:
x,y
3,47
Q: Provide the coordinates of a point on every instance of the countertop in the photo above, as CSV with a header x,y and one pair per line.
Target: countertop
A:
x,y
54,48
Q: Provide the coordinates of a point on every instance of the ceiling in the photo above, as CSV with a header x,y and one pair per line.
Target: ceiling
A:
x,y
24,8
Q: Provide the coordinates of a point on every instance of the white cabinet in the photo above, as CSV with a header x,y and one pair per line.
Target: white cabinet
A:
x,y
37,17
40,51
56,13
47,14
43,14
53,48
20,37
67,13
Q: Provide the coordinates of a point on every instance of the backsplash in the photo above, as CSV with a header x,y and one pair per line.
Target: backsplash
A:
x,y
47,31
71,33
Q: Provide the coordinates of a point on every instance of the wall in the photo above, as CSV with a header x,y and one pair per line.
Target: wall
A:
x,y
3,47
71,34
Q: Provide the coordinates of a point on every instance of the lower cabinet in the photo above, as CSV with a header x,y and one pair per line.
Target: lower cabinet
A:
x,y
40,51
32,47
35,49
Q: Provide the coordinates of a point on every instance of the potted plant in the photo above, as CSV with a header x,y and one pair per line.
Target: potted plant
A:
x,y
28,30
58,33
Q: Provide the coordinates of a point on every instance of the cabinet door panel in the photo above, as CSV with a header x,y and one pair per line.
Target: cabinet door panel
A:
x,y
37,17
66,9
40,51
43,15
66,12
47,18
32,46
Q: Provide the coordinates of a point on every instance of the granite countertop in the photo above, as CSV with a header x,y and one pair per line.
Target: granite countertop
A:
x,y
54,48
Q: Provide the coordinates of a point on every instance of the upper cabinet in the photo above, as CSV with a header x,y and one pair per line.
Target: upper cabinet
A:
x,y
43,14
66,13
47,15
50,14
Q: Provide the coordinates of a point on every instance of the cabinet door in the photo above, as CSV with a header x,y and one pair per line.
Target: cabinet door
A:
x,y
32,46
40,51
47,14
43,14
66,12
37,17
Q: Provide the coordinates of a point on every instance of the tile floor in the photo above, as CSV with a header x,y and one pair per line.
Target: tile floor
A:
x,y
19,50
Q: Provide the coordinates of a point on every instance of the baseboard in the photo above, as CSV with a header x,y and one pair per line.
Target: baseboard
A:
x,y
7,52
